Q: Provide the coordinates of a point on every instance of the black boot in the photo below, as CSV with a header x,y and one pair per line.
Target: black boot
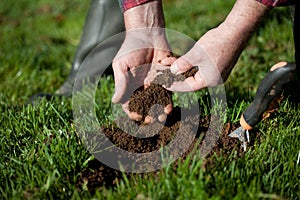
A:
x,y
297,51
104,19
293,88
297,35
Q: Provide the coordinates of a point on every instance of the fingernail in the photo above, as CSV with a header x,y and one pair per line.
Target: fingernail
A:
x,y
174,68
146,85
162,118
148,120
168,109
135,116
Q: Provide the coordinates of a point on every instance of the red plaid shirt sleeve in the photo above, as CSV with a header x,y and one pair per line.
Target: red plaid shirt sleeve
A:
x,y
127,4
275,3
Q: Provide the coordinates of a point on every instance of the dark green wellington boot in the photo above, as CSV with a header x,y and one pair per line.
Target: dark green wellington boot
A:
x,y
104,19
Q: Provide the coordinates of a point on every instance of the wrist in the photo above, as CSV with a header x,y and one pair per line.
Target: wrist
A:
x,y
225,43
244,18
147,15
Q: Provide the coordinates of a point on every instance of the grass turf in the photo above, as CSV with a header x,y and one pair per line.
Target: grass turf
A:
x,y
41,155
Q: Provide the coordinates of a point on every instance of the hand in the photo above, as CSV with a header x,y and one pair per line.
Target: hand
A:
x,y
216,52
136,63
144,45
208,74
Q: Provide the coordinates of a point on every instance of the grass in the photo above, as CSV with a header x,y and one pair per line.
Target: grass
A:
x,y
42,156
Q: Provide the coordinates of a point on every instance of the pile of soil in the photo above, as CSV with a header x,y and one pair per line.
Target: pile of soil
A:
x,y
189,127
153,99
97,174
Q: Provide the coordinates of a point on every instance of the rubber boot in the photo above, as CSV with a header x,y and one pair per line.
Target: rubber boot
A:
x,y
104,19
297,35
296,31
293,89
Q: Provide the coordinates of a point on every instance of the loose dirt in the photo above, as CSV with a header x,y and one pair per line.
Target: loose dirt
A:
x,y
156,96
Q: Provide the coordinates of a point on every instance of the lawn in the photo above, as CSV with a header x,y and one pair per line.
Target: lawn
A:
x,y
42,155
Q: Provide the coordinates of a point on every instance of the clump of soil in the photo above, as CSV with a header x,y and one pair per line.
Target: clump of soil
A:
x,y
143,100
153,99
167,78
186,127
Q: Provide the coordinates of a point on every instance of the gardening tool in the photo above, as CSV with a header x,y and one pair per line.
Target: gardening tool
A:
x,y
271,87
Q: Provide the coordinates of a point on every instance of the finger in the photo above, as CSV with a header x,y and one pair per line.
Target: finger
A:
x,y
167,61
149,79
180,66
188,85
135,116
148,120
147,84
162,118
132,115
156,69
121,81
168,108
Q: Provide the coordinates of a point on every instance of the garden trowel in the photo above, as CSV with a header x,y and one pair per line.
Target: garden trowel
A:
x,y
269,89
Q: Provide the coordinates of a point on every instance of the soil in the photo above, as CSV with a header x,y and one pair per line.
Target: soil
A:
x,y
151,137
153,99
154,96
97,174
167,78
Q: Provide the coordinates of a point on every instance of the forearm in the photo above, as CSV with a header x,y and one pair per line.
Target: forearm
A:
x,y
144,26
225,43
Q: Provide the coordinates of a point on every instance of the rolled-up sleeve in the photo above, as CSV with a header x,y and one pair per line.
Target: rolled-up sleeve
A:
x,y
127,4
275,3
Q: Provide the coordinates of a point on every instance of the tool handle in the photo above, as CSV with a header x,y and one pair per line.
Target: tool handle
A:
x,y
270,88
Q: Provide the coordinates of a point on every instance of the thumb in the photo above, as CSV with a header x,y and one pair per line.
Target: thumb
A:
x,y
167,61
180,65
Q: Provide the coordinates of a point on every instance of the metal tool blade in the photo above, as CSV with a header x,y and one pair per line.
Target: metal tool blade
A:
x,y
242,135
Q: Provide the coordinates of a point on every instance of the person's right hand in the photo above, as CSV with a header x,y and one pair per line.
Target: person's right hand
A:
x,y
144,46
135,66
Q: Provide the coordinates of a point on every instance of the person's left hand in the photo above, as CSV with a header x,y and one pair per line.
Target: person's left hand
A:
x,y
217,51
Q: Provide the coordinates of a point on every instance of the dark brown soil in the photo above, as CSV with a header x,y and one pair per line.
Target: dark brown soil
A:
x,y
98,174
186,124
167,78
153,99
